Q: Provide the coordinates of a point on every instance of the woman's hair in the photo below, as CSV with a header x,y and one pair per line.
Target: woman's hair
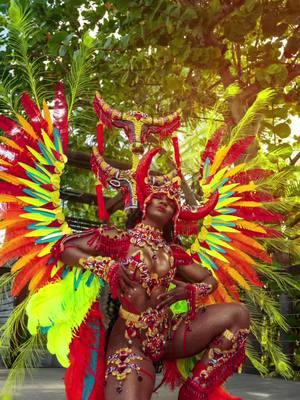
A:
x,y
136,216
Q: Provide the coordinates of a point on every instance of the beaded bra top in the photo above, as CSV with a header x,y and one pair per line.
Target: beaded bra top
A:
x,y
145,235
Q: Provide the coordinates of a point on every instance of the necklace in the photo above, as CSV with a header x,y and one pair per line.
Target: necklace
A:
x,y
143,235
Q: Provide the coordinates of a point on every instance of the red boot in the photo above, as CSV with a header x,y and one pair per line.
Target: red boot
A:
x,y
221,394
206,379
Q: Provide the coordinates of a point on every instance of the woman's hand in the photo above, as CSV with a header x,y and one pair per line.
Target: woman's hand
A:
x,y
168,298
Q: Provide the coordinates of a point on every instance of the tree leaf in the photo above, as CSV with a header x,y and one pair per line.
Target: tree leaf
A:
x,y
282,130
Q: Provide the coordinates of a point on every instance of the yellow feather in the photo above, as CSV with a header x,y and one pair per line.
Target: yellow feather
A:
x,y
247,204
47,117
9,178
245,256
234,170
46,250
225,229
228,188
6,198
8,223
47,141
34,186
27,127
218,177
5,163
221,154
223,203
32,201
38,156
251,226
216,254
236,276
219,242
225,218
11,143
22,261
246,188
35,280
224,293
41,232
37,217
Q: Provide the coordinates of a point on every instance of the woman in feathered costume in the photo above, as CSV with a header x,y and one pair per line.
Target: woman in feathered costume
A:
x,y
65,272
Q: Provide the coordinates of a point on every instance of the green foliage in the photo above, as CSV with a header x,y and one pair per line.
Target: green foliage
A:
x,y
157,57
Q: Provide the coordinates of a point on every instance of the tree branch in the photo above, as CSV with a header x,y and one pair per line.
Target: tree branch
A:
x,y
295,159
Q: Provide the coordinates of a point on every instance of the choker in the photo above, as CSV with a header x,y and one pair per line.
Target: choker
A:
x,y
142,235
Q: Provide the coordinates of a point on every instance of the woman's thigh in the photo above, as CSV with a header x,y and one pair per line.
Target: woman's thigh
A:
x,y
209,323
139,382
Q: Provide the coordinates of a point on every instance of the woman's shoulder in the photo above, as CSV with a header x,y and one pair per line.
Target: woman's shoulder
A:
x,y
110,240
111,232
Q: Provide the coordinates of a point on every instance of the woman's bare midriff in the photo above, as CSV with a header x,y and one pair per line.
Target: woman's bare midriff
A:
x,y
136,300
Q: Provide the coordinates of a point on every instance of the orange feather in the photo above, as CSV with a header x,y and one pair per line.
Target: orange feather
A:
x,y
24,260
26,274
245,239
35,280
242,265
260,254
15,248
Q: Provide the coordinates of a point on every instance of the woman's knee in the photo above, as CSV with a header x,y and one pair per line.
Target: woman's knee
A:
x,y
240,316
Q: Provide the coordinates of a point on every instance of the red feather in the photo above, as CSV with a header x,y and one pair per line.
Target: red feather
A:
x,y
243,267
102,212
36,120
105,117
256,253
25,275
10,127
245,177
213,144
100,138
177,154
269,233
60,115
17,252
237,150
82,346
172,376
258,214
228,283
7,188
263,197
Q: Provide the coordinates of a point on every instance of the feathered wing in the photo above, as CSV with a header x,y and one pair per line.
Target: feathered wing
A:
x,y
229,240
32,159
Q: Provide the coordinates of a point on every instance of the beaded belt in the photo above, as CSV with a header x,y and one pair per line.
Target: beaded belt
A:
x,y
151,326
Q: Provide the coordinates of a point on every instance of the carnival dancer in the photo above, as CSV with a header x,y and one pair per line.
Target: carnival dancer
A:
x,y
65,272
144,262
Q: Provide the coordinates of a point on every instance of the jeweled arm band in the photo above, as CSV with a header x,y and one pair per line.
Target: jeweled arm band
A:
x,y
195,294
104,267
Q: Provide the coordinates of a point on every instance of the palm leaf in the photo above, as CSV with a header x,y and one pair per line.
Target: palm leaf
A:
x,y
21,27
252,115
29,356
80,79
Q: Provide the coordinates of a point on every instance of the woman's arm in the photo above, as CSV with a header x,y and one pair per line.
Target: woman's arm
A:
x,y
194,273
75,249
97,255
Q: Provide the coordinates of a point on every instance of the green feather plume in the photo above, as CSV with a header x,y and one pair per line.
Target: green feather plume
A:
x,y
61,309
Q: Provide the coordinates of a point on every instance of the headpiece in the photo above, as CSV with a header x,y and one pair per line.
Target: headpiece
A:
x,y
137,184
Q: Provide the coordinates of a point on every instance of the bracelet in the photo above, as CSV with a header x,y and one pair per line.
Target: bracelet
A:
x,y
195,293
104,267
